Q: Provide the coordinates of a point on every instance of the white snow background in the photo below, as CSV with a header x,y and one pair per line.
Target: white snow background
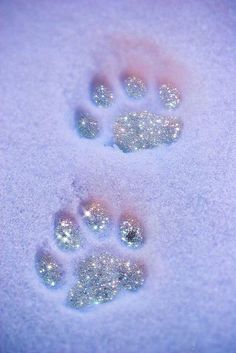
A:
x,y
185,193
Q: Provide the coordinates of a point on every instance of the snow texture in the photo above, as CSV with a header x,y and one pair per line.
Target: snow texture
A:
x,y
185,193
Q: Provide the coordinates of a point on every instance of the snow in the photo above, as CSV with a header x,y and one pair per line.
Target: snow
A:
x,y
184,193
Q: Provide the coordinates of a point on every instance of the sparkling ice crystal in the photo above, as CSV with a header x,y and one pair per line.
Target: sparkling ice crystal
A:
x,y
131,232
102,96
144,130
170,96
96,216
87,126
100,278
67,234
131,275
134,87
49,269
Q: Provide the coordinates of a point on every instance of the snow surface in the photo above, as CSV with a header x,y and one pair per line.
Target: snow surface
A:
x,y
185,193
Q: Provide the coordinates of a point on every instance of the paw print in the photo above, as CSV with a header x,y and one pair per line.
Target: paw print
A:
x,y
102,276
132,128
129,78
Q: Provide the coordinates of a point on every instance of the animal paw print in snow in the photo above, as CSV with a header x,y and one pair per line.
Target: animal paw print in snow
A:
x,y
99,277
133,130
